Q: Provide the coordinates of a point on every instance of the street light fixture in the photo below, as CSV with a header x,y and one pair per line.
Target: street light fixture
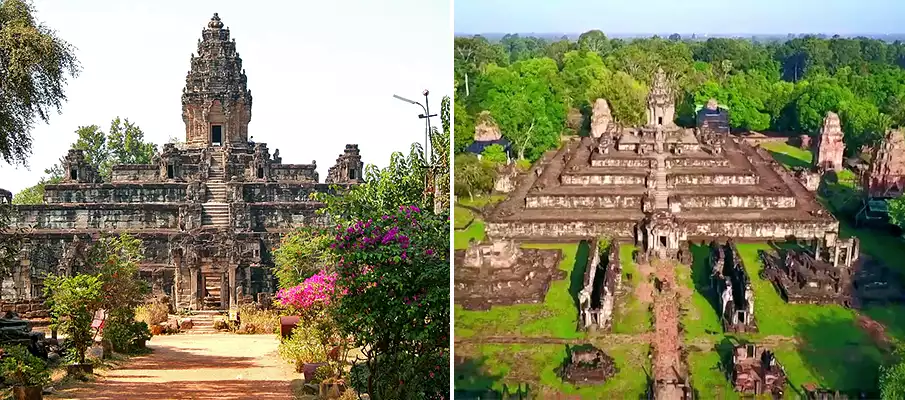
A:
x,y
427,122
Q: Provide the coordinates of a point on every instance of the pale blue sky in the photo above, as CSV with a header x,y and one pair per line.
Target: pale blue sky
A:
x,y
322,73
654,16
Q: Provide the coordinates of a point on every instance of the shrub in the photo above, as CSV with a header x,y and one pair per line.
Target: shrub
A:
x,y
21,368
157,330
73,301
259,321
221,325
302,347
152,313
127,337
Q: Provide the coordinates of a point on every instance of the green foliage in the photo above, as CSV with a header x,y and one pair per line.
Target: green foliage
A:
x,y
892,381
464,127
526,102
494,154
473,176
123,144
300,255
787,86
302,347
383,190
73,301
34,66
20,368
34,194
897,211
127,337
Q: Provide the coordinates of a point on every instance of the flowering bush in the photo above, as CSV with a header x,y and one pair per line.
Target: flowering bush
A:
x,y
394,273
315,292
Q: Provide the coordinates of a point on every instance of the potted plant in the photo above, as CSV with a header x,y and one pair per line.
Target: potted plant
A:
x,y
73,301
25,372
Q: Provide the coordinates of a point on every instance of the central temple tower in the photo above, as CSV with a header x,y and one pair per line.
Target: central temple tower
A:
x,y
216,103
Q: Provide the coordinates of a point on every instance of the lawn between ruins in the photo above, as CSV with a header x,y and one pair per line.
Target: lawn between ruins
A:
x,y
681,255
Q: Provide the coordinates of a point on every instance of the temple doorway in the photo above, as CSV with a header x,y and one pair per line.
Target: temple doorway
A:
x,y
216,135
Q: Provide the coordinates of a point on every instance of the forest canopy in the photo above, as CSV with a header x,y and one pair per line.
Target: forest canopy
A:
x,y
535,88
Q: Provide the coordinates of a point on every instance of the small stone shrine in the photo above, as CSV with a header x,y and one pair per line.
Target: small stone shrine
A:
x,y
830,146
588,365
755,371
731,283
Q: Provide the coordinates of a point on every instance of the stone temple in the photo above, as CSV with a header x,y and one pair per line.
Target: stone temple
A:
x,y
660,186
208,212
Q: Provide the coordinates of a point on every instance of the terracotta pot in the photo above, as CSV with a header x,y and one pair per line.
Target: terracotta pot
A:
x,y
28,392
308,370
80,369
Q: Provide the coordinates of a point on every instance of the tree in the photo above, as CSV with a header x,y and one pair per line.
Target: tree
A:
x,y
494,154
594,41
892,380
126,144
675,37
473,176
464,126
394,280
34,194
526,103
897,211
471,54
301,254
34,66
73,301
441,161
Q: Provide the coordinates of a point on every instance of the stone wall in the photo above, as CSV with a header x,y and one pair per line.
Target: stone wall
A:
x,y
621,162
561,230
736,201
603,179
294,172
99,216
686,162
285,216
712,179
576,201
135,173
120,193
277,192
759,230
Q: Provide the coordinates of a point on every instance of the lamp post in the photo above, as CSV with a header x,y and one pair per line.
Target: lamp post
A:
x,y
426,116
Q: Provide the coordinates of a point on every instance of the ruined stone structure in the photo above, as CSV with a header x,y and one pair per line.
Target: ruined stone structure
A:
x,y
819,276
208,213
502,273
506,178
830,146
660,186
755,371
588,365
733,286
602,280
601,119
886,176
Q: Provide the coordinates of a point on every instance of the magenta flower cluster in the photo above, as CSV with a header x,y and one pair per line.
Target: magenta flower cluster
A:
x,y
314,291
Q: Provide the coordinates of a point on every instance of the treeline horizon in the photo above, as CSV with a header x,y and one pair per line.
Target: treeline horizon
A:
x,y
537,89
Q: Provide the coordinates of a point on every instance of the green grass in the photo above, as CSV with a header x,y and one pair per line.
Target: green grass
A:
x,y
475,232
789,155
557,316
481,201
707,379
491,366
463,217
700,318
630,314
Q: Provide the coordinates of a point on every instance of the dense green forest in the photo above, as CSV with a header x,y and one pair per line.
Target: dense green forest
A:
x,y
537,89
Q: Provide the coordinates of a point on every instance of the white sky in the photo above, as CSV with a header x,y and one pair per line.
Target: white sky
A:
x,y
322,74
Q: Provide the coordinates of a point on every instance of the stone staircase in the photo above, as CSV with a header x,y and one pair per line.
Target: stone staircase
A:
x,y
215,211
661,193
212,285
203,321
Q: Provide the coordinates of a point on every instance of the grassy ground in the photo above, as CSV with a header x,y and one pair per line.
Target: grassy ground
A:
x,y
789,155
467,224
700,318
489,367
557,316
630,314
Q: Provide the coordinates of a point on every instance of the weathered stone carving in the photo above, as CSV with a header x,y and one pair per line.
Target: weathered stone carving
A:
x,y
886,177
755,371
601,119
598,296
203,213
502,273
731,283
661,107
831,145
589,365
348,168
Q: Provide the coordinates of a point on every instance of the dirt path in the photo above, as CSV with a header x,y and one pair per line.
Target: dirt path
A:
x,y
667,361
217,366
